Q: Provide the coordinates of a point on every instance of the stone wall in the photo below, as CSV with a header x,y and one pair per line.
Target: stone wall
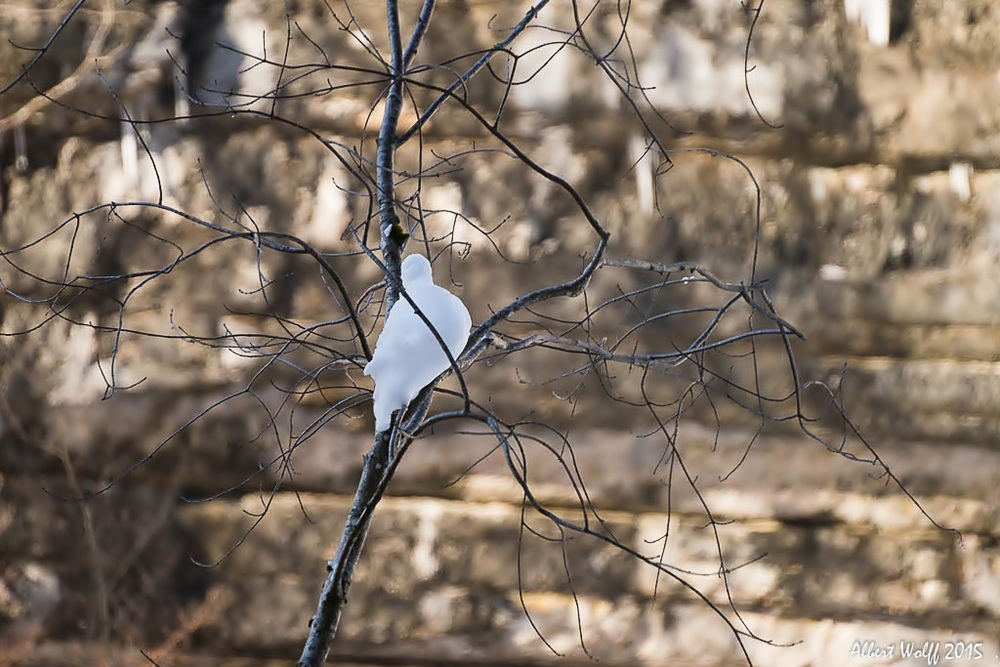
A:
x,y
877,174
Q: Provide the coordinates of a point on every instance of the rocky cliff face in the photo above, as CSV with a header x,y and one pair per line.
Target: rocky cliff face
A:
x,y
859,180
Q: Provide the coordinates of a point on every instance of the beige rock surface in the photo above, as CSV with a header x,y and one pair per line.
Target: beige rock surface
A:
x,y
879,237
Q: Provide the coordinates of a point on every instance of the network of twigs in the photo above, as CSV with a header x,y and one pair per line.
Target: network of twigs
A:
x,y
605,337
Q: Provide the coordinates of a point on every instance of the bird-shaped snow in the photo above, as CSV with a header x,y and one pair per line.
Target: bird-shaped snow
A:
x,y
407,356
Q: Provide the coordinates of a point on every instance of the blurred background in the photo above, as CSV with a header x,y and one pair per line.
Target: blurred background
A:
x,y
846,153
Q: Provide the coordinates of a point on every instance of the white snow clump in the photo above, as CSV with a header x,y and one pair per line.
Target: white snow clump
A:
x,y
407,356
